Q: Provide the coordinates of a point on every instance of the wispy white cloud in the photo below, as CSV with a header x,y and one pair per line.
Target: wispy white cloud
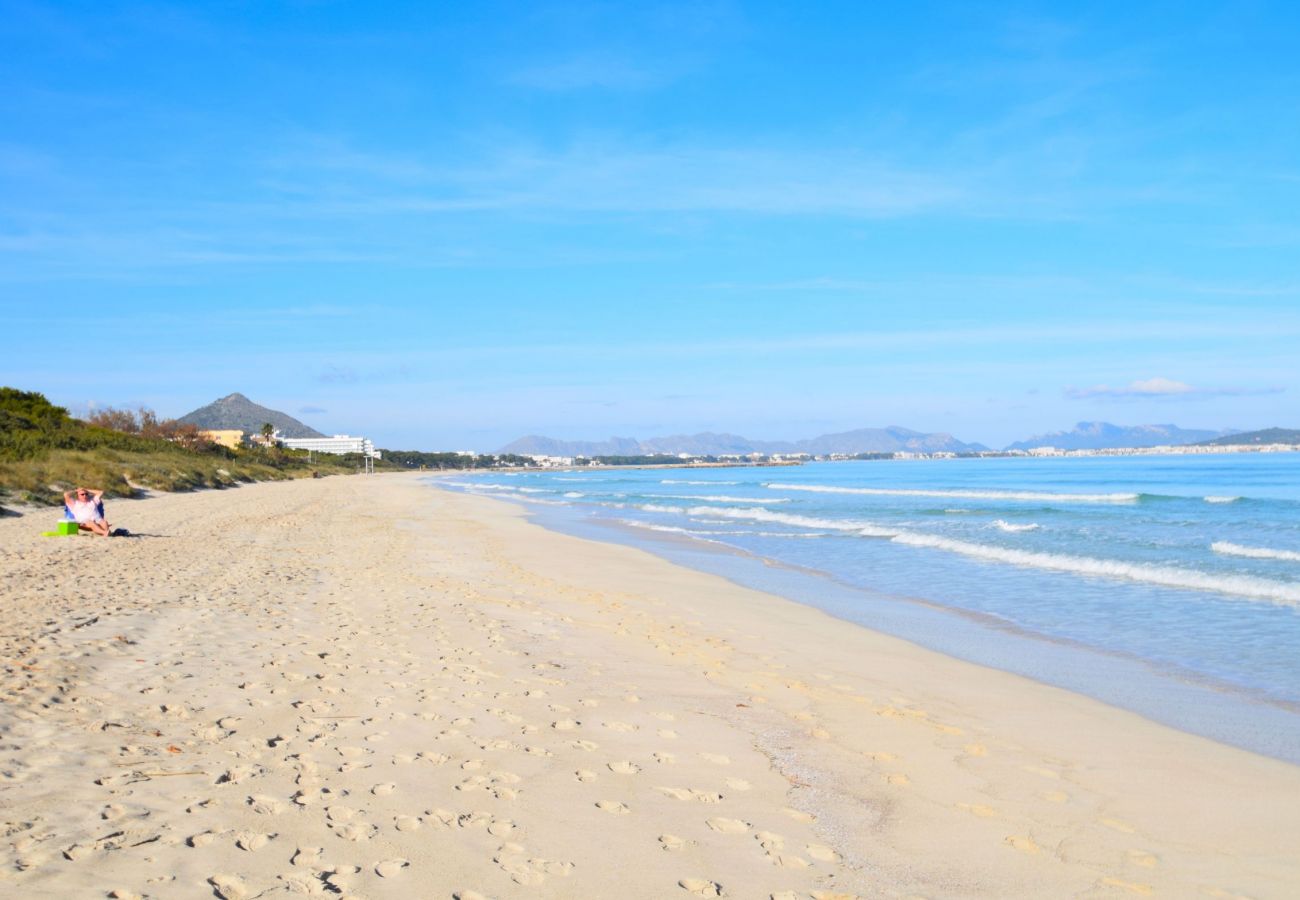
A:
x,y
589,70
1164,389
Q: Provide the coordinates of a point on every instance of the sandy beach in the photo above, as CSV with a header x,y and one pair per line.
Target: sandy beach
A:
x,y
366,687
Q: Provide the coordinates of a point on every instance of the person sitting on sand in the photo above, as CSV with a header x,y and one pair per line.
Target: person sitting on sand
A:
x,y
86,507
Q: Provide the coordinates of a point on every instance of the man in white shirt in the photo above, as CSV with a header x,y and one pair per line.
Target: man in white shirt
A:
x,y
86,508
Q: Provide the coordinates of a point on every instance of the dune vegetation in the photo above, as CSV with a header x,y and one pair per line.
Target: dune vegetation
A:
x,y
45,451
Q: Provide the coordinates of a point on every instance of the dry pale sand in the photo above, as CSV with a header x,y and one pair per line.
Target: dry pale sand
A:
x,y
364,687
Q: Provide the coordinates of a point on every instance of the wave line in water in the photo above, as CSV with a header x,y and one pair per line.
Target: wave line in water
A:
x,y
682,481
1277,592
758,514
1216,499
1012,527
1280,593
964,494
1230,549
723,498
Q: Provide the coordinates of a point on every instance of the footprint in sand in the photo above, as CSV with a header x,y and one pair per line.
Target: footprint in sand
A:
x,y
406,823
383,790
787,861
356,831
264,805
690,794
307,857
252,840
671,842
584,775
615,807
769,840
799,815
1022,842
202,839
716,758
665,758
700,887
1130,886
588,746
624,767
728,826
301,883
822,853
390,867
1143,858
228,887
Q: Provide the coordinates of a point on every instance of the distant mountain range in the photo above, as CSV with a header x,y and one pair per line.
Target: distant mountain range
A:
x,y
863,440
1264,436
237,411
1084,436
1103,435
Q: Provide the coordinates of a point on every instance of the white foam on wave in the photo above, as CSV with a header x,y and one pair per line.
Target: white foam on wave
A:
x,y
759,514
1214,499
1281,593
573,495
963,494
529,498
683,481
1012,527
656,507
1230,549
723,498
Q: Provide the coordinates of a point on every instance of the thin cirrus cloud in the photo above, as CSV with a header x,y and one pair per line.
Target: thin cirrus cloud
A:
x,y
335,374
1163,389
612,176
593,70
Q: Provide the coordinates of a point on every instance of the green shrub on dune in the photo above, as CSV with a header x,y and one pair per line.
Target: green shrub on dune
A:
x,y
44,451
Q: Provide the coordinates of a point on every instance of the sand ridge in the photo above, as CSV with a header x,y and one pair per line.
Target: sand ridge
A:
x,y
364,687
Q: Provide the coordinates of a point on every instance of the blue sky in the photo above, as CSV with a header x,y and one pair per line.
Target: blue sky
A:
x,y
447,225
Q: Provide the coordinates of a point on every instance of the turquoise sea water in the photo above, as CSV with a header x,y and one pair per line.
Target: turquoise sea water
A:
x,y
1168,585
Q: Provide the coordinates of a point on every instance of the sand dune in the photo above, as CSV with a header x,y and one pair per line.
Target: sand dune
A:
x,y
362,687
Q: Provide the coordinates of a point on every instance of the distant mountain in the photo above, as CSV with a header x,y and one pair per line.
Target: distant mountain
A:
x,y
237,411
863,440
1264,436
1103,436
885,440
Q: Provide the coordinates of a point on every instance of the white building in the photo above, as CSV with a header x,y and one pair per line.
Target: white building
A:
x,y
339,444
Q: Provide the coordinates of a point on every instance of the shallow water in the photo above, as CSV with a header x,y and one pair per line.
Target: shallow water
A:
x,y
1168,585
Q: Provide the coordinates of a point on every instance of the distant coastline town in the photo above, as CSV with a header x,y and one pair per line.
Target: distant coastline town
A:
x,y
685,460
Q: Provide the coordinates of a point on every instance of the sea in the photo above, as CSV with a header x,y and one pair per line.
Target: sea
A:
x,y
1165,585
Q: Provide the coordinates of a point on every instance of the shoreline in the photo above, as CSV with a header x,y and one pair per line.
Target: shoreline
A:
x,y
1165,693
320,615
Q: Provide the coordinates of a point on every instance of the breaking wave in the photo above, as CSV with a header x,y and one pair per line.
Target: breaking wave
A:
x,y
964,494
1214,499
1277,592
1281,593
1011,527
682,481
722,498
1230,549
